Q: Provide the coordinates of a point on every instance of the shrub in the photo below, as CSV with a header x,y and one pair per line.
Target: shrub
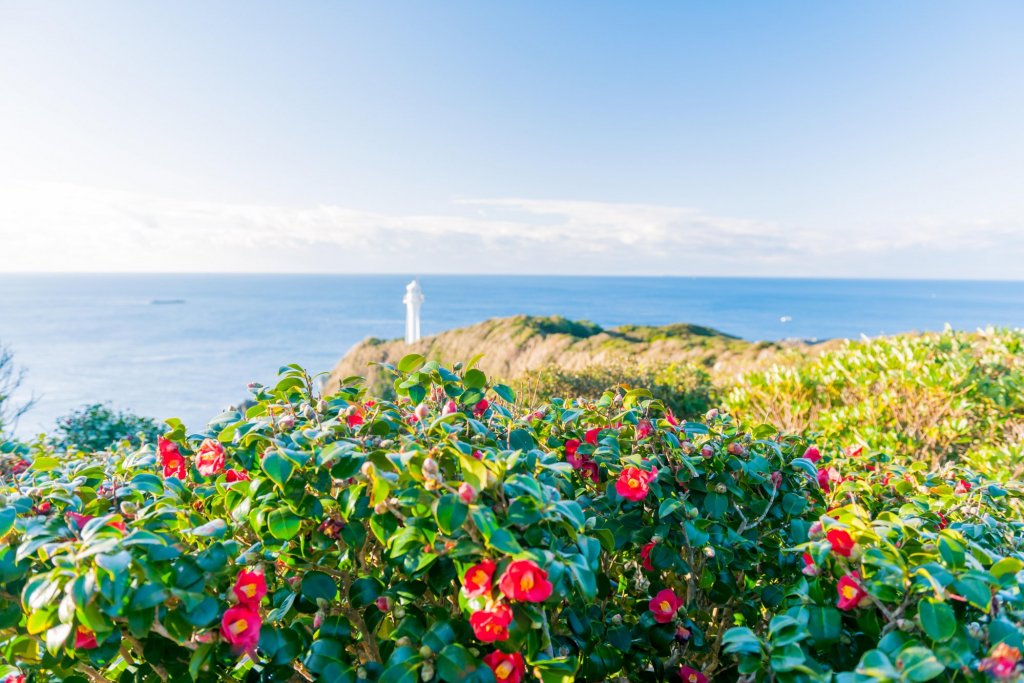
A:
x,y
934,396
98,427
453,535
685,389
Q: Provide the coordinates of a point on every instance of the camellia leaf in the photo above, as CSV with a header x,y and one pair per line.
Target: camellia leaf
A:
x,y
277,467
284,524
937,619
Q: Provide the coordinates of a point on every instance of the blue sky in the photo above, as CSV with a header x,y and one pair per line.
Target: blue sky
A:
x,y
857,139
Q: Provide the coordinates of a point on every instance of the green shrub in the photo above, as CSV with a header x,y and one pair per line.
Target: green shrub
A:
x,y
97,427
686,389
935,397
455,535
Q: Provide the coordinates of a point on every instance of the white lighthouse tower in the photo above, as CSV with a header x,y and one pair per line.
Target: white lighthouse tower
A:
x,y
413,300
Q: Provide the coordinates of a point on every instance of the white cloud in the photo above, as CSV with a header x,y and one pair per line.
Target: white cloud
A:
x,y
71,227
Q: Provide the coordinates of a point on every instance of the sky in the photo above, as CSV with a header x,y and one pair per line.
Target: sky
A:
x,y
824,139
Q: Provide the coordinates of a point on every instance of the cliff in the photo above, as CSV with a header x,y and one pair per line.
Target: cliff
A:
x,y
512,346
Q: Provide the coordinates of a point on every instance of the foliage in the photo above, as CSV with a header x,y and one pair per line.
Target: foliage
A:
x,y
455,535
684,388
938,397
98,427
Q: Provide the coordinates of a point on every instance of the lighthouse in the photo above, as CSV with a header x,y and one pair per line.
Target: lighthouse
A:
x,y
413,300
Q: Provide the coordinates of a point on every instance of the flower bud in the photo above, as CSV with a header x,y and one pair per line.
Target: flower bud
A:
x,y
707,451
383,603
776,479
905,625
380,508
616,619
429,468
735,448
816,531
286,421
711,414
686,446
709,552
425,652
398,611
404,641
721,488
449,408
467,493
128,508
682,634
367,469
421,411
361,673
318,620
427,672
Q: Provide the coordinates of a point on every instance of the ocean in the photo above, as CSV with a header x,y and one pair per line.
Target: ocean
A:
x,y
186,345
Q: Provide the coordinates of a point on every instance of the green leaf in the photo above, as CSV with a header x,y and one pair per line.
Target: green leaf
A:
x,y
450,513
284,524
520,440
317,585
918,664
277,467
44,463
365,591
824,623
937,619
410,363
7,517
504,392
474,379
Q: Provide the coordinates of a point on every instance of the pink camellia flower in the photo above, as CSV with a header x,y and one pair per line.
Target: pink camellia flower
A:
x,y
240,626
691,675
478,455
1003,662
812,453
231,476
810,569
491,625
85,639
645,553
467,494
644,429
507,668
828,476
481,407
478,578
79,520
210,457
523,580
962,487
664,606
590,436
250,587
841,541
851,594
633,483
171,458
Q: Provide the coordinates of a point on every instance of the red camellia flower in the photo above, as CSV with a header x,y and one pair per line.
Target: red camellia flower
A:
x,y
645,553
810,569
962,487
1002,662
79,520
240,626
644,429
571,446
231,476
210,457
171,458
633,483
826,476
853,451
812,453
354,419
250,587
491,625
841,541
590,470
481,407
943,522
85,639
671,419
664,606
477,580
523,580
15,678
850,592
590,436
690,675
507,668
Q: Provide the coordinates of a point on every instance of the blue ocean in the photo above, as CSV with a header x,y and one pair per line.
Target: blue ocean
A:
x,y
186,345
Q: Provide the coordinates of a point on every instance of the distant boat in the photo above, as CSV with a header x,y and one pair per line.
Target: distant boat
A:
x,y
162,302
786,319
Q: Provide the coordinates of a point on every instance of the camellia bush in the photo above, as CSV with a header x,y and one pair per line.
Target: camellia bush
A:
x,y
453,534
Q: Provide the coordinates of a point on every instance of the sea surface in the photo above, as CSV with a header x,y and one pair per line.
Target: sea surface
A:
x,y
117,339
